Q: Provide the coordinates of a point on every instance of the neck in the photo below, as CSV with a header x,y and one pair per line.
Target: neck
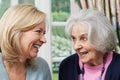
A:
x,y
95,62
16,71
98,60
13,67
103,59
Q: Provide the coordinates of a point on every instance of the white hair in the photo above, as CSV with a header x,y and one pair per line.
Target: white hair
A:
x,y
101,33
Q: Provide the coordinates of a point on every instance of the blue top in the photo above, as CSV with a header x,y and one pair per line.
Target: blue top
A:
x,y
42,72
69,68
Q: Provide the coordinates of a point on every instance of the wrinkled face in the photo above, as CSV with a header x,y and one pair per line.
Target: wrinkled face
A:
x,y
32,40
82,46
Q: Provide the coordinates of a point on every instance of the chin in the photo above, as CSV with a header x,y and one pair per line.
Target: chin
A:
x,y
34,55
84,61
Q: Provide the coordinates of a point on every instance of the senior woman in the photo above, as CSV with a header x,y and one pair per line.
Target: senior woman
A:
x,y
94,40
22,33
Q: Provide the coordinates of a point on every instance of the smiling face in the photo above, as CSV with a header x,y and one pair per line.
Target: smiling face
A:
x,y
32,40
86,52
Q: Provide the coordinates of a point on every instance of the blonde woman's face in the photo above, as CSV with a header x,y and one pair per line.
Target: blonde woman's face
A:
x,y
86,52
32,40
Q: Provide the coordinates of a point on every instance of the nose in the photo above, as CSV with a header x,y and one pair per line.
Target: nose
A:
x,y
43,39
77,45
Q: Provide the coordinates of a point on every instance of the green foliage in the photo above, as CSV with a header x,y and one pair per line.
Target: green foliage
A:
x,y
60,10
61,47
60,16
4,6
55,76
59,31
61,5
26,2
55,66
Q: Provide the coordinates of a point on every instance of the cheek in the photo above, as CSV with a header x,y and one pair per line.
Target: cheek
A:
x,y
74,46
24,44
92,54
25,41
27,38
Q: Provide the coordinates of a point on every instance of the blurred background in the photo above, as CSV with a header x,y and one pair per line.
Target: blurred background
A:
x,y
58,46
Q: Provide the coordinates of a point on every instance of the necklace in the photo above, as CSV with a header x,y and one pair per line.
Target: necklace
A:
x,y
102,70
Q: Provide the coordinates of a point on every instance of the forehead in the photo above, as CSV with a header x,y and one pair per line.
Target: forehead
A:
x,y
41,25
80,28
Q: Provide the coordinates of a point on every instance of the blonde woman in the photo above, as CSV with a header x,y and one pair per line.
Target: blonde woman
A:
x,y
22,33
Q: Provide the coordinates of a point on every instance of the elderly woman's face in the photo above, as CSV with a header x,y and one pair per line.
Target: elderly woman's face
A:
x,y
82,46
32,40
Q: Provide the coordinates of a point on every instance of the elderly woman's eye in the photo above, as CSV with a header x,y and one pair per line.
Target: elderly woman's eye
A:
x,y
73,38
84,38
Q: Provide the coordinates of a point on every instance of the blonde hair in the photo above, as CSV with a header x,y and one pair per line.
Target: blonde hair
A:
x,y
14,22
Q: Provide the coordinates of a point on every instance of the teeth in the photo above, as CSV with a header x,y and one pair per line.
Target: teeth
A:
x,y
36,46
84,52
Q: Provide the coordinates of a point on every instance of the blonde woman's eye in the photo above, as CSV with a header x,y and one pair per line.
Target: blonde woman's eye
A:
x,y
39,31
44,33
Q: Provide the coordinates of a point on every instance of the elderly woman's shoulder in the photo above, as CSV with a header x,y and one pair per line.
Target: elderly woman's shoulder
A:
x,y
72,59
116,55
116,58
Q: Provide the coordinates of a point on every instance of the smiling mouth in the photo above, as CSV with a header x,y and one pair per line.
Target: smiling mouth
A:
x,y
36,46
83,53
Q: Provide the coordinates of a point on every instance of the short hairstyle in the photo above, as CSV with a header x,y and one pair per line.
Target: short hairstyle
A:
x,y
16,20
101,32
